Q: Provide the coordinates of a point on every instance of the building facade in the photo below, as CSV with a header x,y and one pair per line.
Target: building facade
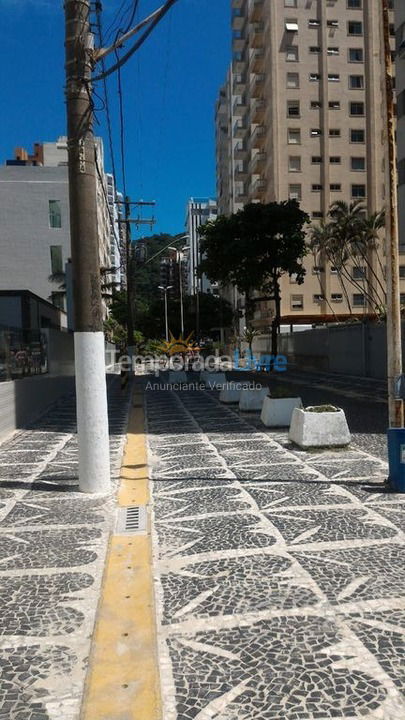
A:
x,y
34,222
199,211
300,116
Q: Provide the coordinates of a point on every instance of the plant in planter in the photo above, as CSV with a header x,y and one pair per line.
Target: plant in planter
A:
x,y
319,426
278,407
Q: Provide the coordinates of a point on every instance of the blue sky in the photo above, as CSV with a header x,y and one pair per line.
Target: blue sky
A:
x,y
170,88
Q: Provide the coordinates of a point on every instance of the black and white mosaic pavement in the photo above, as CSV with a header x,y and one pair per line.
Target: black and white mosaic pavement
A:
x,y
280,573
53,542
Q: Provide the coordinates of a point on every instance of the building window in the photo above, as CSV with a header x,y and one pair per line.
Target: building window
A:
x,y
358,164
318,297
335,159
317,214
354,27
402,298
356,55
290,3
294,163
358,300
316,159
293,108
356,82
294,136
315,132
56,259
356,108
317,269
314,77
332,23
293,80
334,105
314,23
358,273
402,271
336,297
315,49
358,191
294,192
55,214
296,302
335,187
354,4
292,53
333,51
316,187
316,104
334,77
357,136
334,132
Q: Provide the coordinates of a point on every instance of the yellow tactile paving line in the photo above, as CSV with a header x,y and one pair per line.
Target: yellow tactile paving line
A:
x,y
123,681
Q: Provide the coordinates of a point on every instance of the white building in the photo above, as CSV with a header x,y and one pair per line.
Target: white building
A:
x,y
199,211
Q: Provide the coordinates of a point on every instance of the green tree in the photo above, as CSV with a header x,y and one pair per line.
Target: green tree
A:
x,y
253,248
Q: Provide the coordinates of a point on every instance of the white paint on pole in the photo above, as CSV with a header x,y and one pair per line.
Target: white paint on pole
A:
x,y
92,413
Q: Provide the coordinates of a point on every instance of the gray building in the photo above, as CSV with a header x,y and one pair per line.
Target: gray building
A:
x,y
34,228
199,211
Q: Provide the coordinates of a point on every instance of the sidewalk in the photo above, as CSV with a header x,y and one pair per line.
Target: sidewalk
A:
x,y
280,575
53,541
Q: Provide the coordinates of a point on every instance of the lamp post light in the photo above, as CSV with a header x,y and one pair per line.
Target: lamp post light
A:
x,y
165,289
179,260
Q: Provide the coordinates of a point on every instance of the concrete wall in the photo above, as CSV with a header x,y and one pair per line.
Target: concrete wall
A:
x,y
23,401
351,349
61,355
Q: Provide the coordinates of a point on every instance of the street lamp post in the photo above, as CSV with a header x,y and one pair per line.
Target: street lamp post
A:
x,y
179,260
165,289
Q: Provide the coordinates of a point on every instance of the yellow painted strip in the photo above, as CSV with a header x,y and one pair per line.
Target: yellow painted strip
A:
x,y
123,680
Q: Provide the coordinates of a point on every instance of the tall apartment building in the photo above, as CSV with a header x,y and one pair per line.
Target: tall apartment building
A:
x,y
34,220
300,116
199,211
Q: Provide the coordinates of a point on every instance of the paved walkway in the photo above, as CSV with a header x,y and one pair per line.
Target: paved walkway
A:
x,y
53,543
280,577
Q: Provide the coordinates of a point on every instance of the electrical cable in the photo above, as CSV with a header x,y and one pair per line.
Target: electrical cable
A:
x,y
165,8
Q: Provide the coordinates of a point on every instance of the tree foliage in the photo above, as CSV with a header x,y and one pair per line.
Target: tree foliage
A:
x,y
253,248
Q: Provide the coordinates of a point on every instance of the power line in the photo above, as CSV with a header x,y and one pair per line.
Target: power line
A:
x,y
164,9
107,108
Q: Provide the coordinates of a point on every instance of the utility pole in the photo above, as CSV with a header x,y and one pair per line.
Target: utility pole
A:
x,y
165,289
91,391
128,254
394,347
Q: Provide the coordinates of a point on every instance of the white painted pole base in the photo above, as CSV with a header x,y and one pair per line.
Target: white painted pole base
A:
x,y
92,413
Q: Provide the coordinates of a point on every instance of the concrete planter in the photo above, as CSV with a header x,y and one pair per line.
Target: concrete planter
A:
x,y
229,394
213,379
324,429
177,377
277,412
252,400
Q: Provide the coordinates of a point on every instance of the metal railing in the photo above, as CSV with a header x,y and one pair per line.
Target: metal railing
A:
x,y
23,353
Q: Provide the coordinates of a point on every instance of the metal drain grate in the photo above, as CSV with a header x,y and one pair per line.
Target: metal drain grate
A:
x,y
131,520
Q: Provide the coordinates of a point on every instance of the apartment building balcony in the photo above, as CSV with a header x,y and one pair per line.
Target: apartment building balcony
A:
x,y
257,60
258,162
239,84
257,108
238,18
239,60
240,151
256,10
239,107
258,137
241,196
257,85
259,187
239,41
240,128
241,172
257,35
